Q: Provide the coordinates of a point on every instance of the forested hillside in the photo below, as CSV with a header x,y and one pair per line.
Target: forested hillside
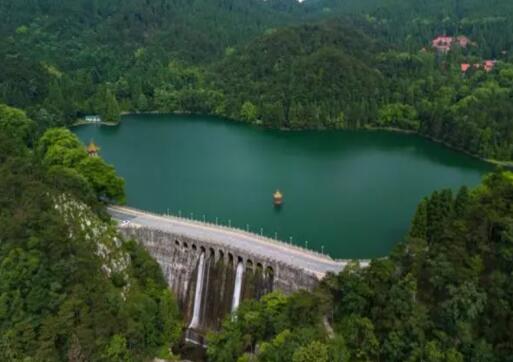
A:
x,y
443,295
317,64
334,75
310,76
192,30
71,289
64,58
412,23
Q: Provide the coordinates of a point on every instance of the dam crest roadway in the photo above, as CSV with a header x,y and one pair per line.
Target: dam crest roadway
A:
x,y
260,247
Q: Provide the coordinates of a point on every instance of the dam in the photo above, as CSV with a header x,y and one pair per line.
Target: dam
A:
x,y
211,269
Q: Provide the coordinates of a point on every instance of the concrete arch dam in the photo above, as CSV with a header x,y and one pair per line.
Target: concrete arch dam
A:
x,y
211,268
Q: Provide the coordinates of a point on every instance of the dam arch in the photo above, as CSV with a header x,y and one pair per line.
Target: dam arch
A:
x,y
182,259
211,269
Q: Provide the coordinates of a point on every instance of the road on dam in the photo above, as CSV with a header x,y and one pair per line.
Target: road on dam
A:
x,y
278,251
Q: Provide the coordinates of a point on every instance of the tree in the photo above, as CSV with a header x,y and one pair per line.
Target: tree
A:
x,y
117,350
340,121
439,209
462,201
16,124
248,112
338,351
399,115
103,179
313,352
419,222
111,112
142,103
360,338
59,147
55,99
60,137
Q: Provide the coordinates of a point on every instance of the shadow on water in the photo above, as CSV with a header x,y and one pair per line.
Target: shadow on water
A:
x,y
327,142
350,142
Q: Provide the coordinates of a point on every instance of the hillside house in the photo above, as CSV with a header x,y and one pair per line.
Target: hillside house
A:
x,y
465,67
487,65
445,43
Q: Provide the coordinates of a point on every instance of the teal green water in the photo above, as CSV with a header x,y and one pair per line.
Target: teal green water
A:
x,y
353,192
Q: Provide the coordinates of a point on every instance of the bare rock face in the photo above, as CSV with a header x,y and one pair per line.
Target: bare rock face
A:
x,y
178,256
83,222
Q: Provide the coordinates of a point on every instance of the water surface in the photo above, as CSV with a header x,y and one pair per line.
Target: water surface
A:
x,y
349,193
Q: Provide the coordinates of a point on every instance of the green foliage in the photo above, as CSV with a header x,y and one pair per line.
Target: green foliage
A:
x,y
398,115
57,301
311,76
61,138
360,338
274,318
117,350
102,178
443,295
248,112
313,352
111,112
314,64
16,124
59,148
419,222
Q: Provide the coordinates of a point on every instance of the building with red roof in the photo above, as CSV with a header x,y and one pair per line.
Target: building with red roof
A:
x,y
464,67
444,43
489,65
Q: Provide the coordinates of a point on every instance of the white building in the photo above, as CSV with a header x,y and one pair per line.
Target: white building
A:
x,y
93,118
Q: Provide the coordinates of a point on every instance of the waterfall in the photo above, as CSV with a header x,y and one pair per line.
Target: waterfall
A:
x,y
199,291
238,286
207,298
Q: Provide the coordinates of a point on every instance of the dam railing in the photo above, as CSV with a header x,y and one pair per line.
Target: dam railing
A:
x,y
325,256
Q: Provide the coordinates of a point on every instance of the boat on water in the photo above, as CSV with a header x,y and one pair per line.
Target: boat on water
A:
x,y
278,198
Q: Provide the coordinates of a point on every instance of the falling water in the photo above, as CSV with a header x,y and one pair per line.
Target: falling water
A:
x,y
199,290
238,286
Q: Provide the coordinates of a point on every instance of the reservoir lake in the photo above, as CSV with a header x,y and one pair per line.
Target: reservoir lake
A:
x,y
351,194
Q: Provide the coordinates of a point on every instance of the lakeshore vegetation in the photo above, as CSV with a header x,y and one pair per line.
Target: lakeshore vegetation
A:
x,y
70,289
71,293
442,295
283,64
77,294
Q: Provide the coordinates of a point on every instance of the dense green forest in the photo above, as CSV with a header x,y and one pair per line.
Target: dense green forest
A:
x,y
442,295
67,291
332,76
280,63
73,293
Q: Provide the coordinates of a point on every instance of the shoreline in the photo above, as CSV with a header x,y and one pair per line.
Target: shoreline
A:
x,y
505,164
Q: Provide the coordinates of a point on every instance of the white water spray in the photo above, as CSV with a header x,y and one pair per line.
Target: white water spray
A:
x,y
198,293
238,286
